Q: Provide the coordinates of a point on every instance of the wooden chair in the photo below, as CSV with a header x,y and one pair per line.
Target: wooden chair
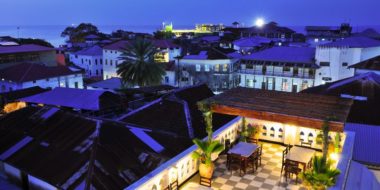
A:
x,y
253,160
252,140
260,153
235,162
291,168
205,181
283,163
227,145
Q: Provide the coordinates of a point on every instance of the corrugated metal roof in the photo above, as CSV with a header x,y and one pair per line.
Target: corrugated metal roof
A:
x,y
69,97
359,177
23,48
354,42
367,141
284,54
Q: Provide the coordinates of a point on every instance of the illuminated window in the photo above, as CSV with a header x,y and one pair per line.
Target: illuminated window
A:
x,y
285,85
207,68
197,67
304,85
225,67
216,68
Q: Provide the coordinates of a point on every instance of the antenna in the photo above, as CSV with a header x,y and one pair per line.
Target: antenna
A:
x,y
18,32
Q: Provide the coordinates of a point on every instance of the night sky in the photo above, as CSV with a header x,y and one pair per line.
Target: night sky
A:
x,y
181,12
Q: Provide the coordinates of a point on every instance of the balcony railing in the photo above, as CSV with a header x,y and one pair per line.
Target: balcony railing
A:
x,y
279,74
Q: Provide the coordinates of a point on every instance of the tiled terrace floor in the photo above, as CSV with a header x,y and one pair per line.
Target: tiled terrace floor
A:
x,y
268,176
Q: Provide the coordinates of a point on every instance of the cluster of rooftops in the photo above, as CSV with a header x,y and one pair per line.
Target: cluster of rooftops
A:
x,y
68,149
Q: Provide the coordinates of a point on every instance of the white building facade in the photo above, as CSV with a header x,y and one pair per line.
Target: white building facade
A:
x,y
89,59
219,73
288,69
46,77
334,59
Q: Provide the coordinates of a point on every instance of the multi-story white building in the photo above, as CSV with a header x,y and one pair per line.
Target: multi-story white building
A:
x,y
335,58
90,59
212,67
289,69
28,75
167,51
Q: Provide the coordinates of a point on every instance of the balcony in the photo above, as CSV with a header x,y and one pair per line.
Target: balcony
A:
x,y
279,74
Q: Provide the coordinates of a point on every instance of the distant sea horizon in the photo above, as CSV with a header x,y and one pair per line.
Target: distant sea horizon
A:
x,y
52,33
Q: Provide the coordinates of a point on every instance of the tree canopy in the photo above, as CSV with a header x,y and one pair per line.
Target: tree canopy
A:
x,y
78,33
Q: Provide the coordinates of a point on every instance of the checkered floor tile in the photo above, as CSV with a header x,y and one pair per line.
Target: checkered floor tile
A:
x,y
268,175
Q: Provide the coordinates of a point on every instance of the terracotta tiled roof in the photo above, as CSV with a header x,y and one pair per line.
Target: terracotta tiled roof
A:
x,y
30,72
23,48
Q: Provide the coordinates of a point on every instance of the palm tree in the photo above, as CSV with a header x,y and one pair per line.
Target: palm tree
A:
x,y
138,66
321,176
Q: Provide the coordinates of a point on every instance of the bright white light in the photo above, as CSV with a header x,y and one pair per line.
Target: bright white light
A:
x,y
259,22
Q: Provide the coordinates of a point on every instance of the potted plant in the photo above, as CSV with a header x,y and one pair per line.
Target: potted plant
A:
x,y
319,138
321,176
253,131
206,147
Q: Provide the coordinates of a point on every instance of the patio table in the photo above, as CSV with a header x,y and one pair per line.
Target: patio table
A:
x,y
301,155
245,150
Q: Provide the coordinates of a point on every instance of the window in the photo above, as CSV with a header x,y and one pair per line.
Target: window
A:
x,y
216,68
324,64
264,130
304,85
272,132
82,61
76,85
106,61
280,133
96,62
225,67
111,62
97,72
310,138
101,61
285,85
198,67
326,78
76,56
34,82
286,69
89,61
302,134
166,79
207,68
344,64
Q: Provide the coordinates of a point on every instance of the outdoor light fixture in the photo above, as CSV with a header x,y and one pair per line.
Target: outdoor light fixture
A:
x,y
260,22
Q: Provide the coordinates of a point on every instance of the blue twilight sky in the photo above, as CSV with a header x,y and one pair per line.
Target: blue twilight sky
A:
x,y
181,12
